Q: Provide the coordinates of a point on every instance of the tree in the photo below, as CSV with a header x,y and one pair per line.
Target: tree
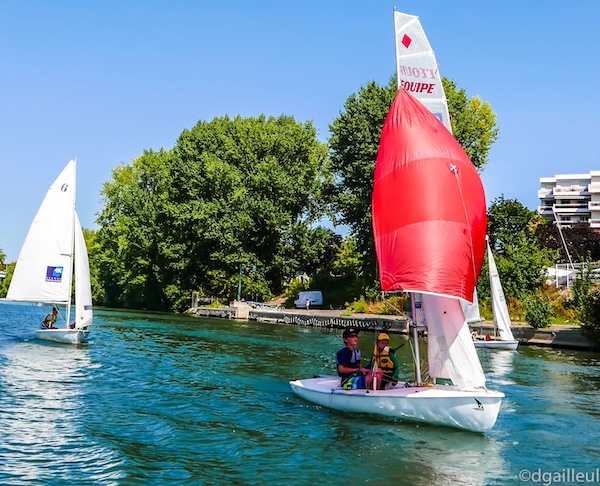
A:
x,y
473,123
354,143
581,240
231,192
520,259
507,219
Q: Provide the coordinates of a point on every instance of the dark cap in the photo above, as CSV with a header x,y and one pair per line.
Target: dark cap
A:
x,y
349,331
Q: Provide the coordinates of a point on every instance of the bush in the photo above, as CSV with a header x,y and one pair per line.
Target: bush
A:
x,y
359,306
397,300
590,316
537,311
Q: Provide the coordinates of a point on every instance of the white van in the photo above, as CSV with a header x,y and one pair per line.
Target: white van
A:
x,y
314,297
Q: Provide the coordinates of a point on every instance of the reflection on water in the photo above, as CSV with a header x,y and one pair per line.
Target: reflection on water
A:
x,y
163,399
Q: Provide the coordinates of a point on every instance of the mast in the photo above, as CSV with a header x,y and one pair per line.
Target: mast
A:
x,y
564,245
70,295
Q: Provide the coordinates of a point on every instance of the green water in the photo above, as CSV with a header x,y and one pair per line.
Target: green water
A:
x,y
163,399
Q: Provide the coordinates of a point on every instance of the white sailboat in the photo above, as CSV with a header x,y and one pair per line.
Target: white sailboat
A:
x,y
53,253
503,337
433,250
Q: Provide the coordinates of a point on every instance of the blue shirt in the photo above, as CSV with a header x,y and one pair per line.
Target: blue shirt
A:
x,y
349,358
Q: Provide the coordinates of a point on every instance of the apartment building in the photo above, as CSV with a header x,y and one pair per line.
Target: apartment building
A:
x,y
571,198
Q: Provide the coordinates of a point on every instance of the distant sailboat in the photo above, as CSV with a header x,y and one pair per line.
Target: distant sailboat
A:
x,y
55,251
503,337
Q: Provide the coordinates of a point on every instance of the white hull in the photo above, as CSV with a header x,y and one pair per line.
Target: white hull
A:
x,y
496,344
474,410
66,336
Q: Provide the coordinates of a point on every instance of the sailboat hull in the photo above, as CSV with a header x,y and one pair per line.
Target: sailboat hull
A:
x,y
496,344
475,410
66,336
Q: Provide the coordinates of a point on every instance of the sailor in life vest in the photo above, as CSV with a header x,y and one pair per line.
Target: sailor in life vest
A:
x,y
386,360
50,319
347,360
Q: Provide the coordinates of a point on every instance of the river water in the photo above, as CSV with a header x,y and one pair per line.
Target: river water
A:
x,y
166,399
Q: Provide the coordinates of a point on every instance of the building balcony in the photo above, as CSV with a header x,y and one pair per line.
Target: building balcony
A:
x,y
571,209
594,188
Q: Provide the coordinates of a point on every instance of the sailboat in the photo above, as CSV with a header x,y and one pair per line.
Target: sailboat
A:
x,y
429,222
53,253
503,337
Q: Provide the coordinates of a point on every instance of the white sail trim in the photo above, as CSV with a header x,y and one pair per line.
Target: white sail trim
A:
x,y
44,267
499,307
451,352
83,288
417,67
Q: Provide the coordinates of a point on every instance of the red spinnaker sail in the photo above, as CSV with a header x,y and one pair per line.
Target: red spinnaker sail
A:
x,y
429,211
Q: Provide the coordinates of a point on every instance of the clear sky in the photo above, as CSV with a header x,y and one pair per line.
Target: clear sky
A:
x,y
104,80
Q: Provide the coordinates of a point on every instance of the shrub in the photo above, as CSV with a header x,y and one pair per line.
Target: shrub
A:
x,y
538,311
590,316
359,306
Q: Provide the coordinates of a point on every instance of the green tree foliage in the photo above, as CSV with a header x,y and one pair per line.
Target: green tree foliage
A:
x,y
590,316
354,143
520,259
92,249
538,311
473,123
349,260
231,192
507,220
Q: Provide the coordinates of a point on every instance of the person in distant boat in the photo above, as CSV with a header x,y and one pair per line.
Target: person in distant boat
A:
x,y
386,361
50,319
347,359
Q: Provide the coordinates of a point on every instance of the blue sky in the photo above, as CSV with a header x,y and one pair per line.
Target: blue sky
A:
x,y
103,81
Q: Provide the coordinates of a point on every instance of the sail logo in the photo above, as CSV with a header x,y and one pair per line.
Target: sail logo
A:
x,y
406,41
54,274
64,187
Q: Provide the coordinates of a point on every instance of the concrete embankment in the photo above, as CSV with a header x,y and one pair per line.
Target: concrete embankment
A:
x,y
566,337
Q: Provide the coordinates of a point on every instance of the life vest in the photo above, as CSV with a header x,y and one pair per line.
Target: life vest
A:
x,y
384,362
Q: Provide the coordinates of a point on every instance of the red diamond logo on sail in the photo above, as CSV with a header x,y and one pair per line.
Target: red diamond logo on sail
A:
x,y
406,41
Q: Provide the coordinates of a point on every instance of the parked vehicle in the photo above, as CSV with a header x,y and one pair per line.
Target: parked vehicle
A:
x,y
314,297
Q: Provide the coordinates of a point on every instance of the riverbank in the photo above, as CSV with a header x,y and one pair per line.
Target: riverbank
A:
x,y
557,336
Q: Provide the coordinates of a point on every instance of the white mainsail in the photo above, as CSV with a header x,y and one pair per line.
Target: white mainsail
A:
x,y
499,307
43,271
417,67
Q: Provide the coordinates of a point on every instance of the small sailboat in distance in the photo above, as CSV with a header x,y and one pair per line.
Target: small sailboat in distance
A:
x,y
54,253
503,337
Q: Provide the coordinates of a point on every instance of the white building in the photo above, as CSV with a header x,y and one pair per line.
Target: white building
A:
x,y
571,198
